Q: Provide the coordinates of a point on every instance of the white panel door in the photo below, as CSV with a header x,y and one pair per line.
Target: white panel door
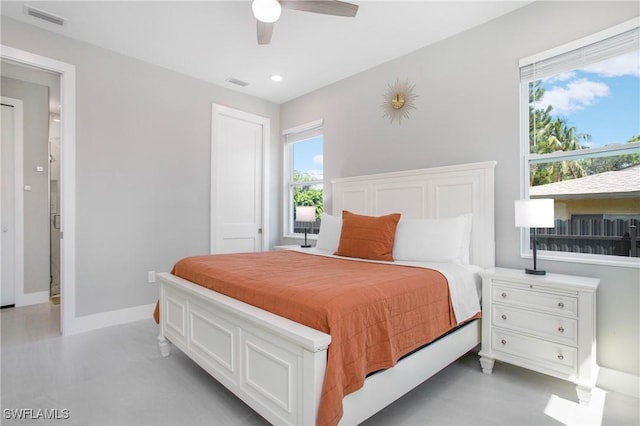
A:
x,y
7,251
238,173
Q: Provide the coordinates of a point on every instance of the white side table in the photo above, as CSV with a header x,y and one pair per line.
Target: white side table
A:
x,y
544,323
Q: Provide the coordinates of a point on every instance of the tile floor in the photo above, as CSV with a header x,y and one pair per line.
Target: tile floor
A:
x,y
116,376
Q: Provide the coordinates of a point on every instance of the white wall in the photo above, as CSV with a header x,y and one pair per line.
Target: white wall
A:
x,y
467,111
143,137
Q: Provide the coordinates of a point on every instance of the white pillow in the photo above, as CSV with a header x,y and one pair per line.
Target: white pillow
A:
x,y
433,240
330,230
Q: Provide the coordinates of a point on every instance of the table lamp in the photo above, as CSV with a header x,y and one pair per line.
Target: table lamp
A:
x,y
305,214
535,213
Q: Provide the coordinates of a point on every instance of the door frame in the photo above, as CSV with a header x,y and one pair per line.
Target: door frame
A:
x,y
218,110
67,206
18,207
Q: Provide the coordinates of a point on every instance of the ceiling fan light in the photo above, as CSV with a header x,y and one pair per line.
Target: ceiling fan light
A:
x,y
266,10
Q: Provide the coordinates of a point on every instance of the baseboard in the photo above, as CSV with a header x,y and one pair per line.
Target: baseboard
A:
x,y
108,319
618,381
34,298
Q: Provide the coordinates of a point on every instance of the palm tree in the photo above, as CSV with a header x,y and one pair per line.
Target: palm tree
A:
x,y
550,134
539,119
564,137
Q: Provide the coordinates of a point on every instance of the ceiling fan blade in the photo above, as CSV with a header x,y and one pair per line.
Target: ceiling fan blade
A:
x,y
325,7
265,31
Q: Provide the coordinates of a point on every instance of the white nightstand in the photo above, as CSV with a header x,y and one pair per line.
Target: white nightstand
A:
x,y
542,322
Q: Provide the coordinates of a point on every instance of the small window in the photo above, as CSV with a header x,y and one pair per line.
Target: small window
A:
x,y
303,177
581,145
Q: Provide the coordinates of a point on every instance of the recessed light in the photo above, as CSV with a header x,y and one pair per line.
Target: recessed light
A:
x,y
276,78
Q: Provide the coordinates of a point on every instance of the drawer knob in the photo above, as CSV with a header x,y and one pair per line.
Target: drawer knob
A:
x,y
560,357
504,295
561,329
560,305
503,341
504,317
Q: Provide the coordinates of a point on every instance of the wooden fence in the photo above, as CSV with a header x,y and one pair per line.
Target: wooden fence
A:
x,y
615,237
311,227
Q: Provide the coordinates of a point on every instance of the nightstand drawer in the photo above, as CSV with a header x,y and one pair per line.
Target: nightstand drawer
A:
x,y
560,329
548,302
554,356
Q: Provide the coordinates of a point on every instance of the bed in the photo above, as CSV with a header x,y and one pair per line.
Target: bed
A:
x,y
277,365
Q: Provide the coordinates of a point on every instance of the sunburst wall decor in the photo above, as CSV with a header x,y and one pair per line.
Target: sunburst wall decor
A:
x,y
399,100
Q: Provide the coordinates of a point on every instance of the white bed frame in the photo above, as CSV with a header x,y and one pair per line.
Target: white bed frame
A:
x,y
277,366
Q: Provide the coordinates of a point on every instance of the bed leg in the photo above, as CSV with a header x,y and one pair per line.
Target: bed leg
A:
x,y
487,364
165,346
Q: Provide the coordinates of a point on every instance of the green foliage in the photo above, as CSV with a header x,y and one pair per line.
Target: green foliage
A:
x,y
541,175
307,195
616,162
299,176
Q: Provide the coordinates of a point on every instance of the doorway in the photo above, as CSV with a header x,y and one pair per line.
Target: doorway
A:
x,y
239,170
66,187
34,195
10,216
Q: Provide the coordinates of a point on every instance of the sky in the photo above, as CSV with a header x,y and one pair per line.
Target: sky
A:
x,y
602,100
308,156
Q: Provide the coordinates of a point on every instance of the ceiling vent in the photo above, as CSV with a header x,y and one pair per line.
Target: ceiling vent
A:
x,y
237,82
45,16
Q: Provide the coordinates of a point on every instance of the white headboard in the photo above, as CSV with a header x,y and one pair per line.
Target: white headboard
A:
x,y
428,193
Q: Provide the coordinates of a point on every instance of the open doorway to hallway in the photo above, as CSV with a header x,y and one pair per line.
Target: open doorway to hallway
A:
x,y
31,196
67,182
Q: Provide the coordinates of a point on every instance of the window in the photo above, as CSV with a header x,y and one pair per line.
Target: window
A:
x,y
303,176
580,138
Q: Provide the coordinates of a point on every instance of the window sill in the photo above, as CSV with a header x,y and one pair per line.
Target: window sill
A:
x,y
592,259
310,237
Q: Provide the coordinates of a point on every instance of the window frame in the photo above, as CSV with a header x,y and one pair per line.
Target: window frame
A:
x,y
526,158
291,137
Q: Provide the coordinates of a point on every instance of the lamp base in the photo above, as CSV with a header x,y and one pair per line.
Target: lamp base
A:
x,y
305,245
535,271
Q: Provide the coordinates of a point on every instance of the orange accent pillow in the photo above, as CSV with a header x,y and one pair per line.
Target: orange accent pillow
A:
x,y
367,237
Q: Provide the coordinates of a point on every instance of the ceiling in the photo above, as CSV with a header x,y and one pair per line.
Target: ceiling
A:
x,y
216,40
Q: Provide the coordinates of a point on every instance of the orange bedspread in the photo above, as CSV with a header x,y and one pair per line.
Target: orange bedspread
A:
x,y
375,313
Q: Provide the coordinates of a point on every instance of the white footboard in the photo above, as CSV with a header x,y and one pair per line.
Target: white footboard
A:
x,y
277,366
273,364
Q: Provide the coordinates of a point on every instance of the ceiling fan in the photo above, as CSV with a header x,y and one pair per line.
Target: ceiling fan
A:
x,y
267,12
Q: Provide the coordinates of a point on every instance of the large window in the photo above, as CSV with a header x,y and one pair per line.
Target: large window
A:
x,y
581,145
303,175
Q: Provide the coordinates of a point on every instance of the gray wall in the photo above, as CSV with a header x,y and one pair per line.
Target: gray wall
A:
x,y
468,111
143,137
35,98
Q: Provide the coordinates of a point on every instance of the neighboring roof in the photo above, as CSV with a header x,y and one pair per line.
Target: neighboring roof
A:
x,y
623,181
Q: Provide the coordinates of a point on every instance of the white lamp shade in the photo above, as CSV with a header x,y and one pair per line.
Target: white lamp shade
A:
x,y
536,213
266,10
305,214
